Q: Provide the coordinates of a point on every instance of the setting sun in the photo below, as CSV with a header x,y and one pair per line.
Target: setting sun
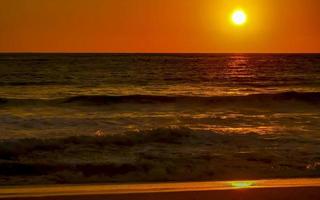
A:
x,y
239,17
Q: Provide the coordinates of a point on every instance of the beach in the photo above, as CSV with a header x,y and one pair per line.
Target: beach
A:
x,y
284,189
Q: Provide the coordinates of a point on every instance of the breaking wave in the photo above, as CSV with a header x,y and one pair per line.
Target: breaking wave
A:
x,y
164,154
306,97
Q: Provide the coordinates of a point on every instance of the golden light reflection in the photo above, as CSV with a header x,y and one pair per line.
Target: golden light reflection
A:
x,y
238,67
242,184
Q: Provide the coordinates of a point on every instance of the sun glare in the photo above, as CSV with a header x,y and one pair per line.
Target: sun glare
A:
x,y
242,184
239,17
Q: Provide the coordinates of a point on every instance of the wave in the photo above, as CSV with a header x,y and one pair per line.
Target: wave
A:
x,y
311,97
303,97
164,154
33,83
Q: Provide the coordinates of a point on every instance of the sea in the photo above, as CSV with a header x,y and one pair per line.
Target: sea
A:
x,y
272,96
57,95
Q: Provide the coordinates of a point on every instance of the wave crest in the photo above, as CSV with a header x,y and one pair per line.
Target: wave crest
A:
x,y
312,98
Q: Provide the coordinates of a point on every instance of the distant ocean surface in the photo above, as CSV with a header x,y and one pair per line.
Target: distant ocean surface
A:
x,y
75,118
56,95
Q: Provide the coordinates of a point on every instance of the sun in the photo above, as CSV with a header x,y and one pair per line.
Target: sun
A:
x,y
239,17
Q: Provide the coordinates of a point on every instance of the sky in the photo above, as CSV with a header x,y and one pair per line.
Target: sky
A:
x,y
159,26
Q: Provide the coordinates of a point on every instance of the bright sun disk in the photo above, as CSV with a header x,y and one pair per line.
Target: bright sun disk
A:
x,y
239,17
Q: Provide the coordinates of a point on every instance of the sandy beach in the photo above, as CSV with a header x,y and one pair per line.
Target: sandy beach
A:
x,y
261,189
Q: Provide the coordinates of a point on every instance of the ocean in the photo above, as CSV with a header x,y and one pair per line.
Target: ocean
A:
x,y
72,118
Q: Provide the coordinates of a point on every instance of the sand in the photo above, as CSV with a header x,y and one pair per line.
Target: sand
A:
x,y
290,189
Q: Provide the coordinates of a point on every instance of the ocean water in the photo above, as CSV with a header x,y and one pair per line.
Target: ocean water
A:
x,y
56,95
263,106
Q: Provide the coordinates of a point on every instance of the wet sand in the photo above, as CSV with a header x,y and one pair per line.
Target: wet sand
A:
x,y
301,189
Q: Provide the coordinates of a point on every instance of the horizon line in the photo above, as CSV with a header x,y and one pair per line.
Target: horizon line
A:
x,y
102,52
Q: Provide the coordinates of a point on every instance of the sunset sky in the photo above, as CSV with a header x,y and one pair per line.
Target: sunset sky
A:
x,y
158,26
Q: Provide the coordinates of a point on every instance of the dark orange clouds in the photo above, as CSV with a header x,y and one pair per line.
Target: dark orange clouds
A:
x,y
158,26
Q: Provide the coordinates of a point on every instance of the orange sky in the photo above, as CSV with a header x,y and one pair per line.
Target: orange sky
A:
x,y
158,26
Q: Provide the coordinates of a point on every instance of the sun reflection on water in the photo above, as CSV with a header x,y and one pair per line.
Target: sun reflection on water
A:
x,y
242,184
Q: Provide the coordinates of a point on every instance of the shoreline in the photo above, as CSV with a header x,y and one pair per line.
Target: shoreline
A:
x,y
249,189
